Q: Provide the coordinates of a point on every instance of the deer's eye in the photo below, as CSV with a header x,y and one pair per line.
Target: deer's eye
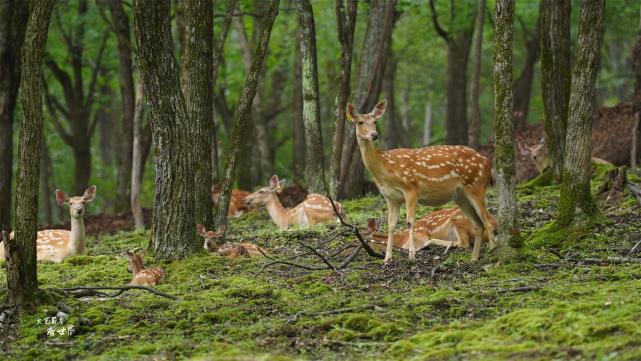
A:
x,y
360,122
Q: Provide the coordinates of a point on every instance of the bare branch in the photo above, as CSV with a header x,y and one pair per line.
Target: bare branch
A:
x,y
437,26
84,290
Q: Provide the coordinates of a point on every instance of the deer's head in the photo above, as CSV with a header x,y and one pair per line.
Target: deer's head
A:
x,y
263,195
366,123
211,237
76,204
538,153
134,260
372,227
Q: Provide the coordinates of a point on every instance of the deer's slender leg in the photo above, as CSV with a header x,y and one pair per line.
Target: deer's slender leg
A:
x,y
410,203
477,199
466,205
392,219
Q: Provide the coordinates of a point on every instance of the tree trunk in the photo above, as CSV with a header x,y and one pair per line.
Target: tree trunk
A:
x,y
13,20
576,199
393,135
242,112
22,278
474,131
380,24
636,131
104,119
314,163
138,163
458,53
298,141
555,77
427,123
346,23
523,84
197,80
173,222
509,239
125,149
46,188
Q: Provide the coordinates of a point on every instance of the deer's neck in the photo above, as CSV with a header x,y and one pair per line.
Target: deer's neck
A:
x,y
77,240
372,158
277,212
137,266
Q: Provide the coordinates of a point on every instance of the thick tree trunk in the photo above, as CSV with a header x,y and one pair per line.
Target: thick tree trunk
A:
x,y
575,198
22,278
13,20
458,53
314,162
393,135
125,138
555,77
380,24
298,141
636,131
197,80
242,112
474,131
138,162
523,84
346,23
173,222
509,238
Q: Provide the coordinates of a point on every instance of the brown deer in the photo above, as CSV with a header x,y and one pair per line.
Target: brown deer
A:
x,y
315,209
226,250
435,175
148,277
237,205
57,244
445,227
541,159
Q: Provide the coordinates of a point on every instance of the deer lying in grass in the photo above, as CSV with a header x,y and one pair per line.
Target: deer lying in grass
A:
x,y
446,227
435,175
313,210
57,244
226,250
143,276
541,159
237,205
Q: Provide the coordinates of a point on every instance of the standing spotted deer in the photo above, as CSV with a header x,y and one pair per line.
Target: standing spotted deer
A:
x,y
315,209
57,244
435,175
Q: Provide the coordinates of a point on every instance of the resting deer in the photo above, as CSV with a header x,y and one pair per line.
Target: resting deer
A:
x,y
541,159
226,250
435,175
237,205
313,210
445,227
143,276
57,244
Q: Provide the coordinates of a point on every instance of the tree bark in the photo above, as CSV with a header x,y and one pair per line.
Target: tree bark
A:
x,y
555,77
46,188
474,131
173,221
523,84
125,152
138,162
636,130
314,162
394,134
13,21
198,81
298,137
346,24
575,198
508,239
380,24
22,278
242,112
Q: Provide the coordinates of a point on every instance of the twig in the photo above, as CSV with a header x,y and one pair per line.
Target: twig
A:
x,y
331,266
634,248
297,315
354,229
519,289
96,291
634,189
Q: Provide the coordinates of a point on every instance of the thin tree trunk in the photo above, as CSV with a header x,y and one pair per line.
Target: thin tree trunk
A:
x,y
13,20
173,222
523,84
298,141
137,164
125,149
197,80
427,123
393,135
46,188
22,277
575,198
555,77
636,66
105,124
314,162
346,23
474,131
509,239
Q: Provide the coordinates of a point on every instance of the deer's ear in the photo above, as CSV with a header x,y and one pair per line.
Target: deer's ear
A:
x,y
61,197
201,229
220,230
379,109
90,194
351,112
371,224
281,184
273,182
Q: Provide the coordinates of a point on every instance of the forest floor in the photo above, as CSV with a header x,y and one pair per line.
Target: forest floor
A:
x,y
571,302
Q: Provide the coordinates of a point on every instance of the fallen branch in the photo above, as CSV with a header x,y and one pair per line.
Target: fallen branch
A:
x,y
297,315
634,189
354,229
82,291
633,249
519,289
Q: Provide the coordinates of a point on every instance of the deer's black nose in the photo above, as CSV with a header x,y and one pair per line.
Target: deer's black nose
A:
x,y
374,136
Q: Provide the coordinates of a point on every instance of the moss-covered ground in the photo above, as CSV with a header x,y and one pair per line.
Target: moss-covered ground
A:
x,y
443,307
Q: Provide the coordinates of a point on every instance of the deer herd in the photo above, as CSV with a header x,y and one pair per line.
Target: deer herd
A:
x,y
432,175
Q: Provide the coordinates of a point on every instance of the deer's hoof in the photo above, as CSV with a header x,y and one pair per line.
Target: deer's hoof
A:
x,y
387,260
413,257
